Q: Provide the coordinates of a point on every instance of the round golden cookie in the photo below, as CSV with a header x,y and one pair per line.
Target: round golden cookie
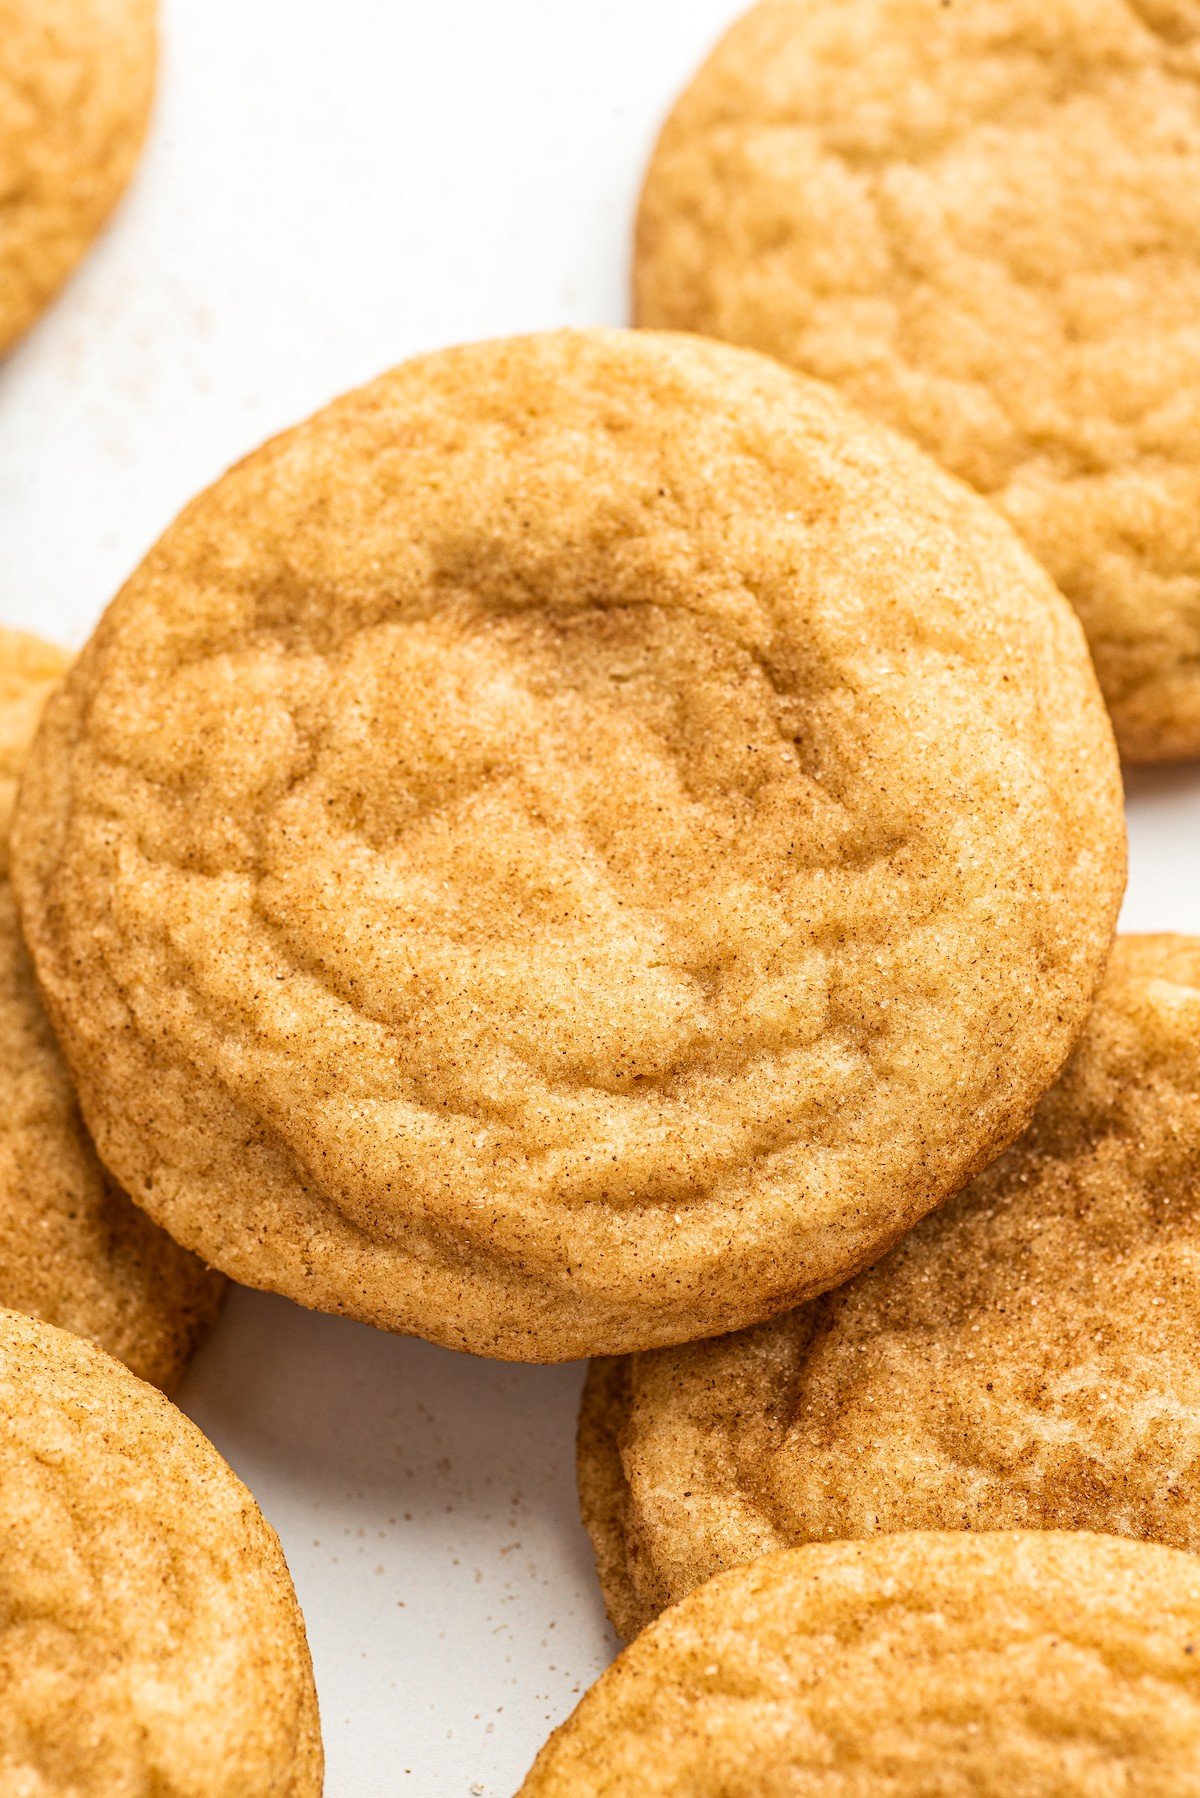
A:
x,y
74,1249
1025,1359
981,220
76,82
150,1639
986,1666
575,847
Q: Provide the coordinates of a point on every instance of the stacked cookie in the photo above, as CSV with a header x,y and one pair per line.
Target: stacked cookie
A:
x,y
591,846
1022,1360
74,1249
151,1638
982,222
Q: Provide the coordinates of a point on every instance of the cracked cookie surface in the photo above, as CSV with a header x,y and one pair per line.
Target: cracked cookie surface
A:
x,y
74,1249
76,82
1053,1665
577,845
150,1639
982,222
1025,1359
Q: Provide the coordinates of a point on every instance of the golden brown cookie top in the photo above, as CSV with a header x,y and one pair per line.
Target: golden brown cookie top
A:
x,y
978,1666
76,80
574,847
982,222
150,1639
1024,1359
74,1249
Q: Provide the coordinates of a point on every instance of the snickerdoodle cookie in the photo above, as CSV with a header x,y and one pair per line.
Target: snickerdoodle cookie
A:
x,y
970,1666
982,221
76,81
73,1248
150,1640
575,847
1025,1359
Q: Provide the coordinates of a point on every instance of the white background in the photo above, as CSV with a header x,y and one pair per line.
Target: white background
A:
x,y
331,185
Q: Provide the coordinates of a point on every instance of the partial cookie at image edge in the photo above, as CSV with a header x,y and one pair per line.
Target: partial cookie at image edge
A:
x,y
74,1249
76,88
983,224
1023,1359
151,1634
1013,1662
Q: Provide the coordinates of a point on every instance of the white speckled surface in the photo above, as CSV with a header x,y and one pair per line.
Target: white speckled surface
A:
x,y
333,185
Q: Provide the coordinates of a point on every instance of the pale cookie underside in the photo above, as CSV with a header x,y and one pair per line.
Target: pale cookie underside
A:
x,y
76,82
575,847
982,222
975,1666
149,1636
1024,1359
74,1249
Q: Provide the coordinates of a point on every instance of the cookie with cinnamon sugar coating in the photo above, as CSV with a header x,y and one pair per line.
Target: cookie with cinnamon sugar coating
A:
x,y
150,1639
575,847
1025,1359
76,83
74,1249
982,223
1059,1665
